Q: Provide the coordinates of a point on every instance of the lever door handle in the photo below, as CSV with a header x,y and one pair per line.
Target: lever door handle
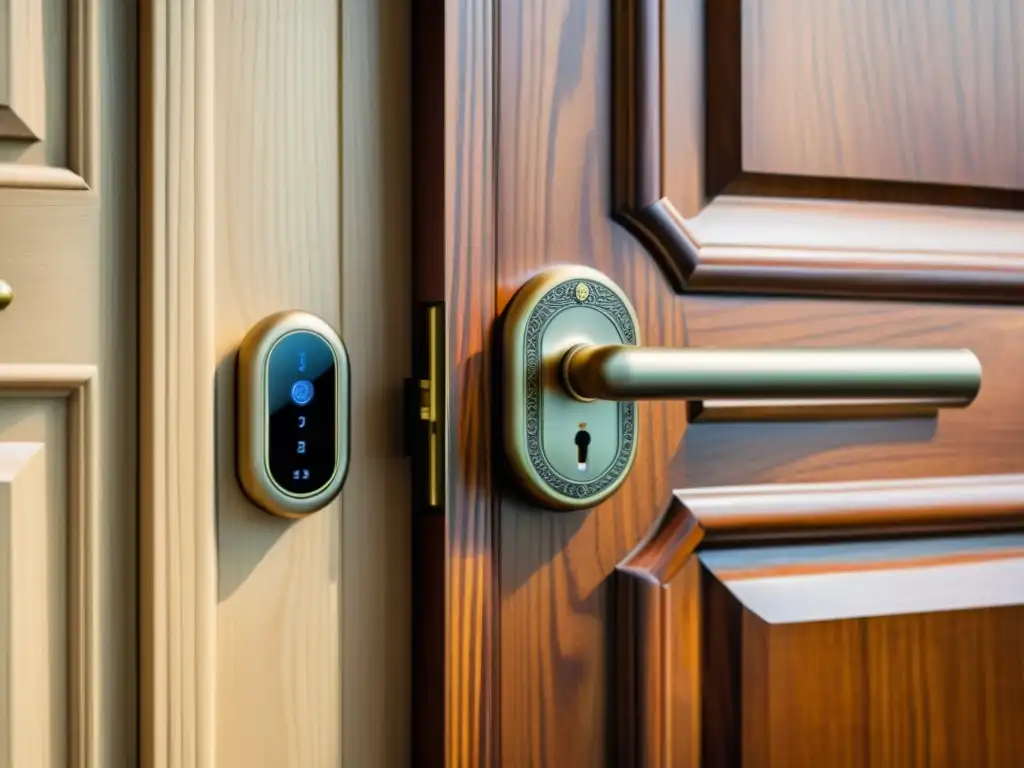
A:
x,y
574,367
947,378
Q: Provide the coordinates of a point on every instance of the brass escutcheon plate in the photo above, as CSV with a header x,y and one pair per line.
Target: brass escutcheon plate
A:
x,y
553,312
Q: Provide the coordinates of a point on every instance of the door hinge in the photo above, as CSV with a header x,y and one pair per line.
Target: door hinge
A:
x,y
426,394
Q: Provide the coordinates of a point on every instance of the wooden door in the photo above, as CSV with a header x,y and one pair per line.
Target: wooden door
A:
x,y
766,588
274,157
68,403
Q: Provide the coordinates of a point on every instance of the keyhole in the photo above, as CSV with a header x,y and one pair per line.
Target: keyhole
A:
x,y
582,445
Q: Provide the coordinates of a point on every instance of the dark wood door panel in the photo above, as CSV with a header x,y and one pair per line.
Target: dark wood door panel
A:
x,y
854,656
927,690
864,652
800,147
557,612
897,90
532,178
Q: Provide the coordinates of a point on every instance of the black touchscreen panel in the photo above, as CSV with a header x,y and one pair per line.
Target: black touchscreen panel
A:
x,y
301,396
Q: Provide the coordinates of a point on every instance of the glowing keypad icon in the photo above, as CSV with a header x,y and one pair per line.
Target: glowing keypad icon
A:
x,y
302,392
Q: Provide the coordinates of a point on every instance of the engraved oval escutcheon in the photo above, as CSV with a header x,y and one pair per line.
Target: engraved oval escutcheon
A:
x,y
550,314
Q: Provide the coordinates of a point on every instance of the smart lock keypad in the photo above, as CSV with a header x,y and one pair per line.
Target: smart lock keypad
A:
x,y
302,403
292,416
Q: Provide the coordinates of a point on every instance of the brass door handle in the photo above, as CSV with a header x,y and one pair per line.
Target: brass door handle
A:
x,y
574,367
947,378
6,294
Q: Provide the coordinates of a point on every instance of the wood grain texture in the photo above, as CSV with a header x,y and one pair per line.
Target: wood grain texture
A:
x,y
471,221
917,689
779,683
800,584
376,321
541,691
277,145
178,481
902,91
970,662
685,111
313,635
268,642
557,612
659,671
828,590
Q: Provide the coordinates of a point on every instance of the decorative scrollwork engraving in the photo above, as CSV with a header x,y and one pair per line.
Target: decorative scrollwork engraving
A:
x,y
566,295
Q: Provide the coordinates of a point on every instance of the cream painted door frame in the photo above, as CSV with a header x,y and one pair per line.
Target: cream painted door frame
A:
x,y
274,154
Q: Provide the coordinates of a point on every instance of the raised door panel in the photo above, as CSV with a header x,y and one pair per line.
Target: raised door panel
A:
x,y
45,100
68,383
68,228
49,180
893,687
842,90
827,148
564,120
33,679
802,625
49,581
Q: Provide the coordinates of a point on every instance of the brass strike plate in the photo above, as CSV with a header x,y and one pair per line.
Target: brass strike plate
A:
x,y
292,414
425,411
565,454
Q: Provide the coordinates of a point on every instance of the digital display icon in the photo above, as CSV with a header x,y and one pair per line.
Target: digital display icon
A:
x,y
302,392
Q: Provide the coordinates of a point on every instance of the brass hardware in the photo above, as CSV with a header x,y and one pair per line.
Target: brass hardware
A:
x,y
292,414
946,378
6,294
565,453
427,401
432,389
574,369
